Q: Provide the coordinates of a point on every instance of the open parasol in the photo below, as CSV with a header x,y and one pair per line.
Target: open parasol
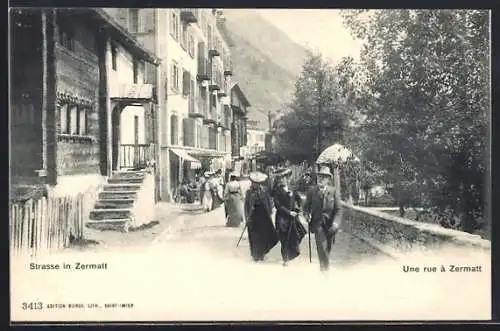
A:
x,y
335,154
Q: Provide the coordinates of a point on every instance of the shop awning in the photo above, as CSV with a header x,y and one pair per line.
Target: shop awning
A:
x,y
195,164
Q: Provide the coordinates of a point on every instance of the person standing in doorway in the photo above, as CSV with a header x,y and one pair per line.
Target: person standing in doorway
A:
x,y
324,210
258,215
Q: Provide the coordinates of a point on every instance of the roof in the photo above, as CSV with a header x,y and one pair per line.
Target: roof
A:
x,y
126,38
241,95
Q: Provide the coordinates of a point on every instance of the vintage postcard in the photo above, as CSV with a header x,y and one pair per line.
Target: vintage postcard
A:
x,y
211,164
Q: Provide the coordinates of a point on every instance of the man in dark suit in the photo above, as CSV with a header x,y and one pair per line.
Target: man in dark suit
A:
x,y
323,206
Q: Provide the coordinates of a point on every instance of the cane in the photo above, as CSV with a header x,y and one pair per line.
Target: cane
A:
x,y
242,232
309,238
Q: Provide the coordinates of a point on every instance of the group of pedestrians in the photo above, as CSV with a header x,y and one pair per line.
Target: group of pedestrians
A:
x,y
321,208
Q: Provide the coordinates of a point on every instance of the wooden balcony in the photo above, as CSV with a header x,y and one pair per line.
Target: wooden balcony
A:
x,y
188,15
195,110
136,156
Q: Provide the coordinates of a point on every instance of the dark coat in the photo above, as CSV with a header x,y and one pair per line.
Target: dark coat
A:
x,y
285,202
324,211
252,196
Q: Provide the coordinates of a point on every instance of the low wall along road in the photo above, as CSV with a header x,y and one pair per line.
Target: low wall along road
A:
x,y
395,236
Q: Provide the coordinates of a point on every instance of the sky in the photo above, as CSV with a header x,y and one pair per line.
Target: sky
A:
x,y
319,29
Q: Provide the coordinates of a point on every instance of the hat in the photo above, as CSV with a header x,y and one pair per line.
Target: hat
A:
x,y
258,177
281,172
325,171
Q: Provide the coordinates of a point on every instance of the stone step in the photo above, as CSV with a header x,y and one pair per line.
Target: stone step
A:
x,y
126,180
110,214
114,204
117,195
118,224
121,187
128,174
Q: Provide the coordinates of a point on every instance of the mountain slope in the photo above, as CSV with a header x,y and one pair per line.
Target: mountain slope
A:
x,y
266,61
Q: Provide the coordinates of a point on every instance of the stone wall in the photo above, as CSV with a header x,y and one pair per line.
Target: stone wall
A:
x,y
396,235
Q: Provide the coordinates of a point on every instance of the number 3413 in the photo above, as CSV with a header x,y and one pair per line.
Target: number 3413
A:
x,y
32,305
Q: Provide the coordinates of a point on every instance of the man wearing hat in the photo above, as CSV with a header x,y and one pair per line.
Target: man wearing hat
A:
x,y
258,214
323,205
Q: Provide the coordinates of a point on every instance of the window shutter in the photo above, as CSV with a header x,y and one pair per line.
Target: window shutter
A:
x,y
186,81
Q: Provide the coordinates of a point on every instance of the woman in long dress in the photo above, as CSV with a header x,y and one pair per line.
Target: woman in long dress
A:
x,y
233,202
207,193
287,203
217,190
258,210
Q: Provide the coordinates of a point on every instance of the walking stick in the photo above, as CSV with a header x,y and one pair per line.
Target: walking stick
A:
x,y
309,238
242,232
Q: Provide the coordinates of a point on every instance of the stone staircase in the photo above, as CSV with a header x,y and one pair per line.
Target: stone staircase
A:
x,y
116,207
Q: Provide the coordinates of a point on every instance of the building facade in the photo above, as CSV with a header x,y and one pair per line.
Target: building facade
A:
x,y
62,134
195,76
240,107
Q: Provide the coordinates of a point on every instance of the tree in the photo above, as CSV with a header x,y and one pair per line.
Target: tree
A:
x,y
317,98
425,105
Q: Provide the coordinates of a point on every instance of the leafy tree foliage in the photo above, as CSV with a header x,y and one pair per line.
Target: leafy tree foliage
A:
x,y
424,104
318,91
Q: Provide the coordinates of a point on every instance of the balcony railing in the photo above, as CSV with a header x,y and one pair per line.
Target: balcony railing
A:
x,y
217,80
188,15
194,109
136,156
213,47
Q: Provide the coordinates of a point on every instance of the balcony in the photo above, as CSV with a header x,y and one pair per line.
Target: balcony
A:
x,y
188,15
204,73
194,109
217,82
211,117
228,67
213,49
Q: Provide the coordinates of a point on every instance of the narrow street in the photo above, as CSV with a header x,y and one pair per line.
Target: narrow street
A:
x,y
207,231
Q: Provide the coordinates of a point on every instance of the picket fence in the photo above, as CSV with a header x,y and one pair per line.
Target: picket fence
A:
x,y
47,224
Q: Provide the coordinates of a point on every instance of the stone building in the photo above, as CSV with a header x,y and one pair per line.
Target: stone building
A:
x,y
194,79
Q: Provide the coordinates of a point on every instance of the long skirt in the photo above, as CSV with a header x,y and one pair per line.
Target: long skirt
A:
x,y
261,233
207,200
216,199
290,233
234,210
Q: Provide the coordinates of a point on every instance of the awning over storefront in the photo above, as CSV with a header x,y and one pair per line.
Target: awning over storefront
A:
x,y
195,164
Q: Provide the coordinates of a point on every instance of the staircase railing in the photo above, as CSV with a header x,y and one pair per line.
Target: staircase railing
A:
x,y
136,156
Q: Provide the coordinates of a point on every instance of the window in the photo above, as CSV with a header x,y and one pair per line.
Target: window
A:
x,y
175,77
113,57
82,121
191,45
63,118
136,72
174,25
186,79
73,120
184,37
134,20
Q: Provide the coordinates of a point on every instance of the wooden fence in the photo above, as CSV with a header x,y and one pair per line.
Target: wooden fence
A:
x,y
48,224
